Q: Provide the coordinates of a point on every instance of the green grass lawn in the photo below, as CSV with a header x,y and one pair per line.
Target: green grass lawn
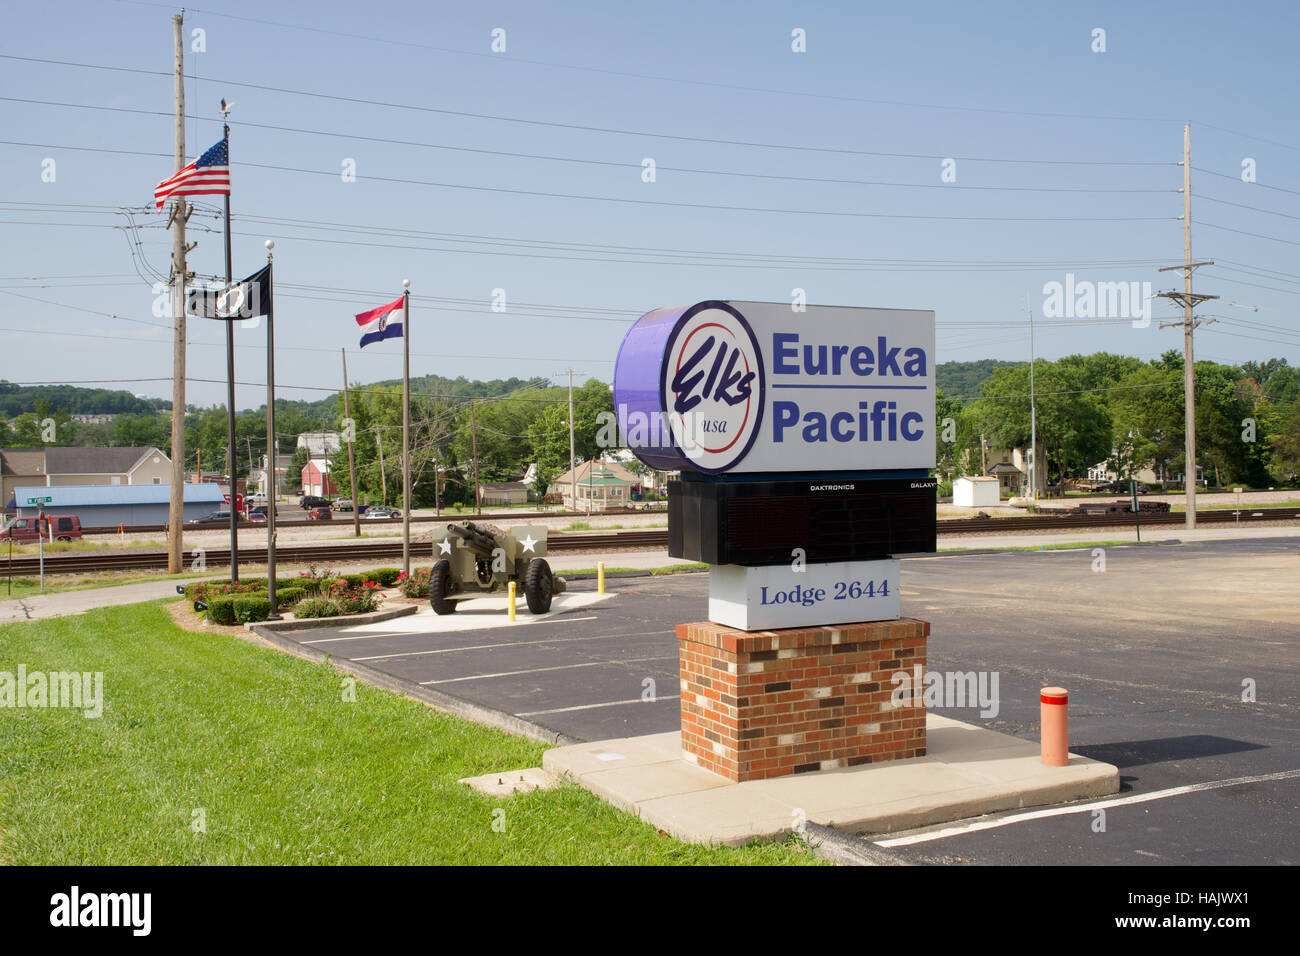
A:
x,y
283,769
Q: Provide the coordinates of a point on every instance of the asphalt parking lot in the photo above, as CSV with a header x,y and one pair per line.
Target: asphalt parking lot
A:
x,y
1155,650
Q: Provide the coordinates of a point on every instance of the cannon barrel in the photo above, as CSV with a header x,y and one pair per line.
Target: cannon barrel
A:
x,y
475,538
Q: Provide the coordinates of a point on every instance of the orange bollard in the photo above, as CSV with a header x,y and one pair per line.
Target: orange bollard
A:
x,y
1054,703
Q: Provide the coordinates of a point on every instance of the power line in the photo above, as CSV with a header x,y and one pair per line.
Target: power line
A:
x,y
336,98
626,201
952,187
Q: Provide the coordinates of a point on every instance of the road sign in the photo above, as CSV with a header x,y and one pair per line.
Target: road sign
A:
x,y
39,501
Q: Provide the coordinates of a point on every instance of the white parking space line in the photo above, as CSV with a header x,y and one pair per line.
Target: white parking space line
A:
x,y
488,647
542,670
1083,807
610,703
433,633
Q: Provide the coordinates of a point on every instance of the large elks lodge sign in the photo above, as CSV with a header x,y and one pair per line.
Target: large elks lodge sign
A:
x,y
797,433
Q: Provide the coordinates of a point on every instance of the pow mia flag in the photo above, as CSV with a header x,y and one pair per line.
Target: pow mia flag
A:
x,y
243,300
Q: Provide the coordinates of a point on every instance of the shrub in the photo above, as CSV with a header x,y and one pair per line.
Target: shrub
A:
x,y
355,600
385,576
290,595
249,610
316,607
353,580
417,585
221,610
315,580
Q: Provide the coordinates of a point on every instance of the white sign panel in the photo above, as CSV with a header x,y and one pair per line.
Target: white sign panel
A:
x,y
776,596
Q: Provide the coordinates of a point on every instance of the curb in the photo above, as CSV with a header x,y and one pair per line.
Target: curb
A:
x,y
844,850
628,574
311,623
496,719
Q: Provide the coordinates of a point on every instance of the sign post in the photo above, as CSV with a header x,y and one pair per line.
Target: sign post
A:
x,y
805,441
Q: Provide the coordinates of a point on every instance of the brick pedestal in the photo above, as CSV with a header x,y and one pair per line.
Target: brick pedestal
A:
x,y
765,704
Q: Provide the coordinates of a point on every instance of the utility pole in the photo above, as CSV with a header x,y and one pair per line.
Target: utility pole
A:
x,y
406,428
383,478
352,461
248,443
473,438
1033,413
179,214
573,472
1188,300
230,378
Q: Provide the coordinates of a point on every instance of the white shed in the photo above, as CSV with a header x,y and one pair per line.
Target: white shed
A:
x,y
975,492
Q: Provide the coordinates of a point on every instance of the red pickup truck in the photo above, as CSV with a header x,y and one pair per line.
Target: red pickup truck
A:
x,y
61,527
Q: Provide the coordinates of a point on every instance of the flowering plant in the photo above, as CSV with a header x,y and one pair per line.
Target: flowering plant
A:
x,y
417,585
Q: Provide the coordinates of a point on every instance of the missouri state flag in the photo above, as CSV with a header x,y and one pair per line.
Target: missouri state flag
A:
x,y
382,323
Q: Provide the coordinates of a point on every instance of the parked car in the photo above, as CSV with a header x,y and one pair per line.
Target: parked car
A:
x,y
217,517
307,502
379,512
257,517
343,504
320,513
24,530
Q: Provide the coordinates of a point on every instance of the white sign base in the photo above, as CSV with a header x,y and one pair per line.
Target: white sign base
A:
x,y
775,596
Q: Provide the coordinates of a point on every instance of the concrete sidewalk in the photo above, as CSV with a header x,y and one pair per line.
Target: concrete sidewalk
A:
x,y
968,771
1123,535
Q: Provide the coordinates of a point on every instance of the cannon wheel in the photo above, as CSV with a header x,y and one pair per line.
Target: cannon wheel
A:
x,y
538,586
439,586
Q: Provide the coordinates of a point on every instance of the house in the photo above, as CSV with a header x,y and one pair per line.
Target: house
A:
x,y
62,466
1102,471
316,480
502,493
108,506
1011,467
107,466
19,466
598,485
281,470
93,419
320,444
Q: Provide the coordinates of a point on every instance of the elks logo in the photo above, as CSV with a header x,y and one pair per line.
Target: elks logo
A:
x,y
712,386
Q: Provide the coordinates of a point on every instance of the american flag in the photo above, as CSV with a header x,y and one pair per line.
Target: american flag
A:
x,y
209,175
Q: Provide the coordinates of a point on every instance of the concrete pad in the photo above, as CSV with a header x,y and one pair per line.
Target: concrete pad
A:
x,y
968,771
479,614
509,782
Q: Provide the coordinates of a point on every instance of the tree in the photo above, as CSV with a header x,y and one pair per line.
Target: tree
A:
x,y
1073,427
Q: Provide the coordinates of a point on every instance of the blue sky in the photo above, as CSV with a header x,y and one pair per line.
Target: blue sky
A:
x,y
1013,92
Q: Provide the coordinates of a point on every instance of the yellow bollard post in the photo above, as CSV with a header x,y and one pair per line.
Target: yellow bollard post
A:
x,y
510,608
600,577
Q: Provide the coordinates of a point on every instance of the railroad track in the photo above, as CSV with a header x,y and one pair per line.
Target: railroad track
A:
x,y
156,559
80,562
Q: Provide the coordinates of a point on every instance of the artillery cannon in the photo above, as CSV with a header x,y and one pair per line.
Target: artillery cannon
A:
x,y
474,560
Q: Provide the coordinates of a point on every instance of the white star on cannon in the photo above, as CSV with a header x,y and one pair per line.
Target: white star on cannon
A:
x,y
529,544
445,546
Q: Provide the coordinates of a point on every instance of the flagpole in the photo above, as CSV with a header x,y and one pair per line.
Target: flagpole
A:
x,y
270,427
230,390
406,427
